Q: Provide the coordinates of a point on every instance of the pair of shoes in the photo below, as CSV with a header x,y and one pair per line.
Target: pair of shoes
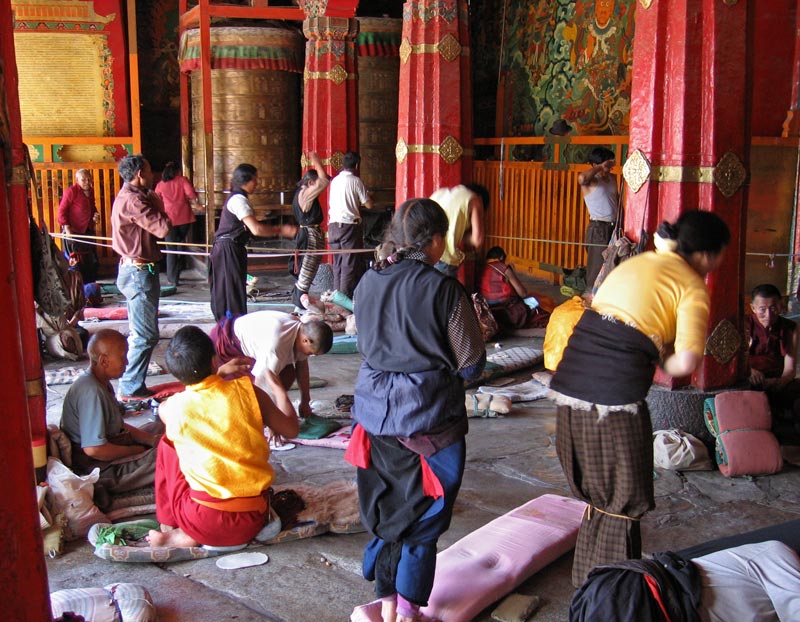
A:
x,y
142,393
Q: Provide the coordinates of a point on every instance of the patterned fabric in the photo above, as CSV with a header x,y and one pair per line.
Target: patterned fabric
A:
x,y
117,602
609,464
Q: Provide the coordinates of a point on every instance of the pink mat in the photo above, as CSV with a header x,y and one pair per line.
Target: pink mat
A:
x,y
338,440
490,562
105,313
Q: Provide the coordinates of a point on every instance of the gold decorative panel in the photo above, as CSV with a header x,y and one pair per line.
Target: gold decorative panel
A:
x,y
729,174
724,342
449,48
60,98
636,170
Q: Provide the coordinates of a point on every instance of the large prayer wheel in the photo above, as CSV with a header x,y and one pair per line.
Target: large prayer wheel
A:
x,y
255,104
378,47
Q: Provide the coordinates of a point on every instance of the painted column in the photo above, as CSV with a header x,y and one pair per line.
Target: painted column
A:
x,y
689,147
23,573
434,142
330,103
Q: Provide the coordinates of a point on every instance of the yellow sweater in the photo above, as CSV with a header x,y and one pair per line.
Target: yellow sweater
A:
x,y
662,296
455,203
218,434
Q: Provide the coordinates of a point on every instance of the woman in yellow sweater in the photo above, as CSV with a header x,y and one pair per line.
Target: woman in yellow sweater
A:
x,y
212,470
651,309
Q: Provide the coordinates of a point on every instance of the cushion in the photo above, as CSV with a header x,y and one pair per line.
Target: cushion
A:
x,y
117,602
741,421
490,562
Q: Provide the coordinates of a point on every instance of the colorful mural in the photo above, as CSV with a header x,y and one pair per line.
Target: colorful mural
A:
x,y
567,59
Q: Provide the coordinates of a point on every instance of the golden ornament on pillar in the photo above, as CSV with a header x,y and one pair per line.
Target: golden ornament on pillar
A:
x,y
724,342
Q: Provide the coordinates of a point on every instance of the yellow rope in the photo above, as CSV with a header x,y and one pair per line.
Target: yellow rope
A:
x,y
589,508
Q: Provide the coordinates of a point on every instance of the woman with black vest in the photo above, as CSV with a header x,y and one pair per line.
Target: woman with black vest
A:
x,y
227,263
420,340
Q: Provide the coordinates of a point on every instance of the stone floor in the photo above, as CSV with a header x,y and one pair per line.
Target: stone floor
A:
x,y
510,460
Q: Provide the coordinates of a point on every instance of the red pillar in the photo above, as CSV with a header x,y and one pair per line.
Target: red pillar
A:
x,y
23,574
434,142
689,146
330,103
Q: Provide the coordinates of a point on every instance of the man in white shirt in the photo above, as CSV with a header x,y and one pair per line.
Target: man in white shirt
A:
x,y
280,345
347,195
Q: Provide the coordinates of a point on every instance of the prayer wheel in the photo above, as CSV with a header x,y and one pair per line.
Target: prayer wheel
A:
x,y
378,47
255,105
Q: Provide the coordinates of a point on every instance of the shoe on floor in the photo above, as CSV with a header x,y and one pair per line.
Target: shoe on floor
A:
x,y
141,393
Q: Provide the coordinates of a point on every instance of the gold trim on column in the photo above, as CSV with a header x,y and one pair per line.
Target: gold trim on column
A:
x,y
19,175
334,161
724,342
730,2
337,75
645,3
728,174
449,48
450,150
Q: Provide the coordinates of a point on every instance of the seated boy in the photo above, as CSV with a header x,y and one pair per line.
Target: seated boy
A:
x,y
772,349
212,470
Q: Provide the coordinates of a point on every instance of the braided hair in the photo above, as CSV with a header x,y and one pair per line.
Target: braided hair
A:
x,y
412,228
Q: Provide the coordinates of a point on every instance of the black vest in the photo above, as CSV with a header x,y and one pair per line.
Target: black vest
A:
x,y
392,339
312,216
230,227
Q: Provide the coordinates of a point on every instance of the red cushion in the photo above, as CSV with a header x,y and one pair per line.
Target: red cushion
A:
x,y
742,409
747,445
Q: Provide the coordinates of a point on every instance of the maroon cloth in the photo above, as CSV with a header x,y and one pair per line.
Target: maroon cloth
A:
x,y
493,283
177,194
226,344
138,220
77,210
769,346
176,508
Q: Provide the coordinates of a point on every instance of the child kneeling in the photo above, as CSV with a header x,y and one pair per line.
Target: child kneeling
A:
x,y
212,471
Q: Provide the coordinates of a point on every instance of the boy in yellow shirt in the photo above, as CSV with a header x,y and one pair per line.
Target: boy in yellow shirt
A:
x,y
212,470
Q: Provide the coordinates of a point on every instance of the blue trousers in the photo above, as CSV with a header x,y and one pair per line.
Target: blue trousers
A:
x,y
141,288
407,567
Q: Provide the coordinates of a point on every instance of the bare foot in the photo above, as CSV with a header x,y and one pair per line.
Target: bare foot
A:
x,y
388,610
174,537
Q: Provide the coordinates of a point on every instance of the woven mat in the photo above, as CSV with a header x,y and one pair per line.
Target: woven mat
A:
x,y
68,375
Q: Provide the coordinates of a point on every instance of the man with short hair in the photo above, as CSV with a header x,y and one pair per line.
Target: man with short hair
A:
x,y
280,343
599,190
772,342
347,195
92,419
138,220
